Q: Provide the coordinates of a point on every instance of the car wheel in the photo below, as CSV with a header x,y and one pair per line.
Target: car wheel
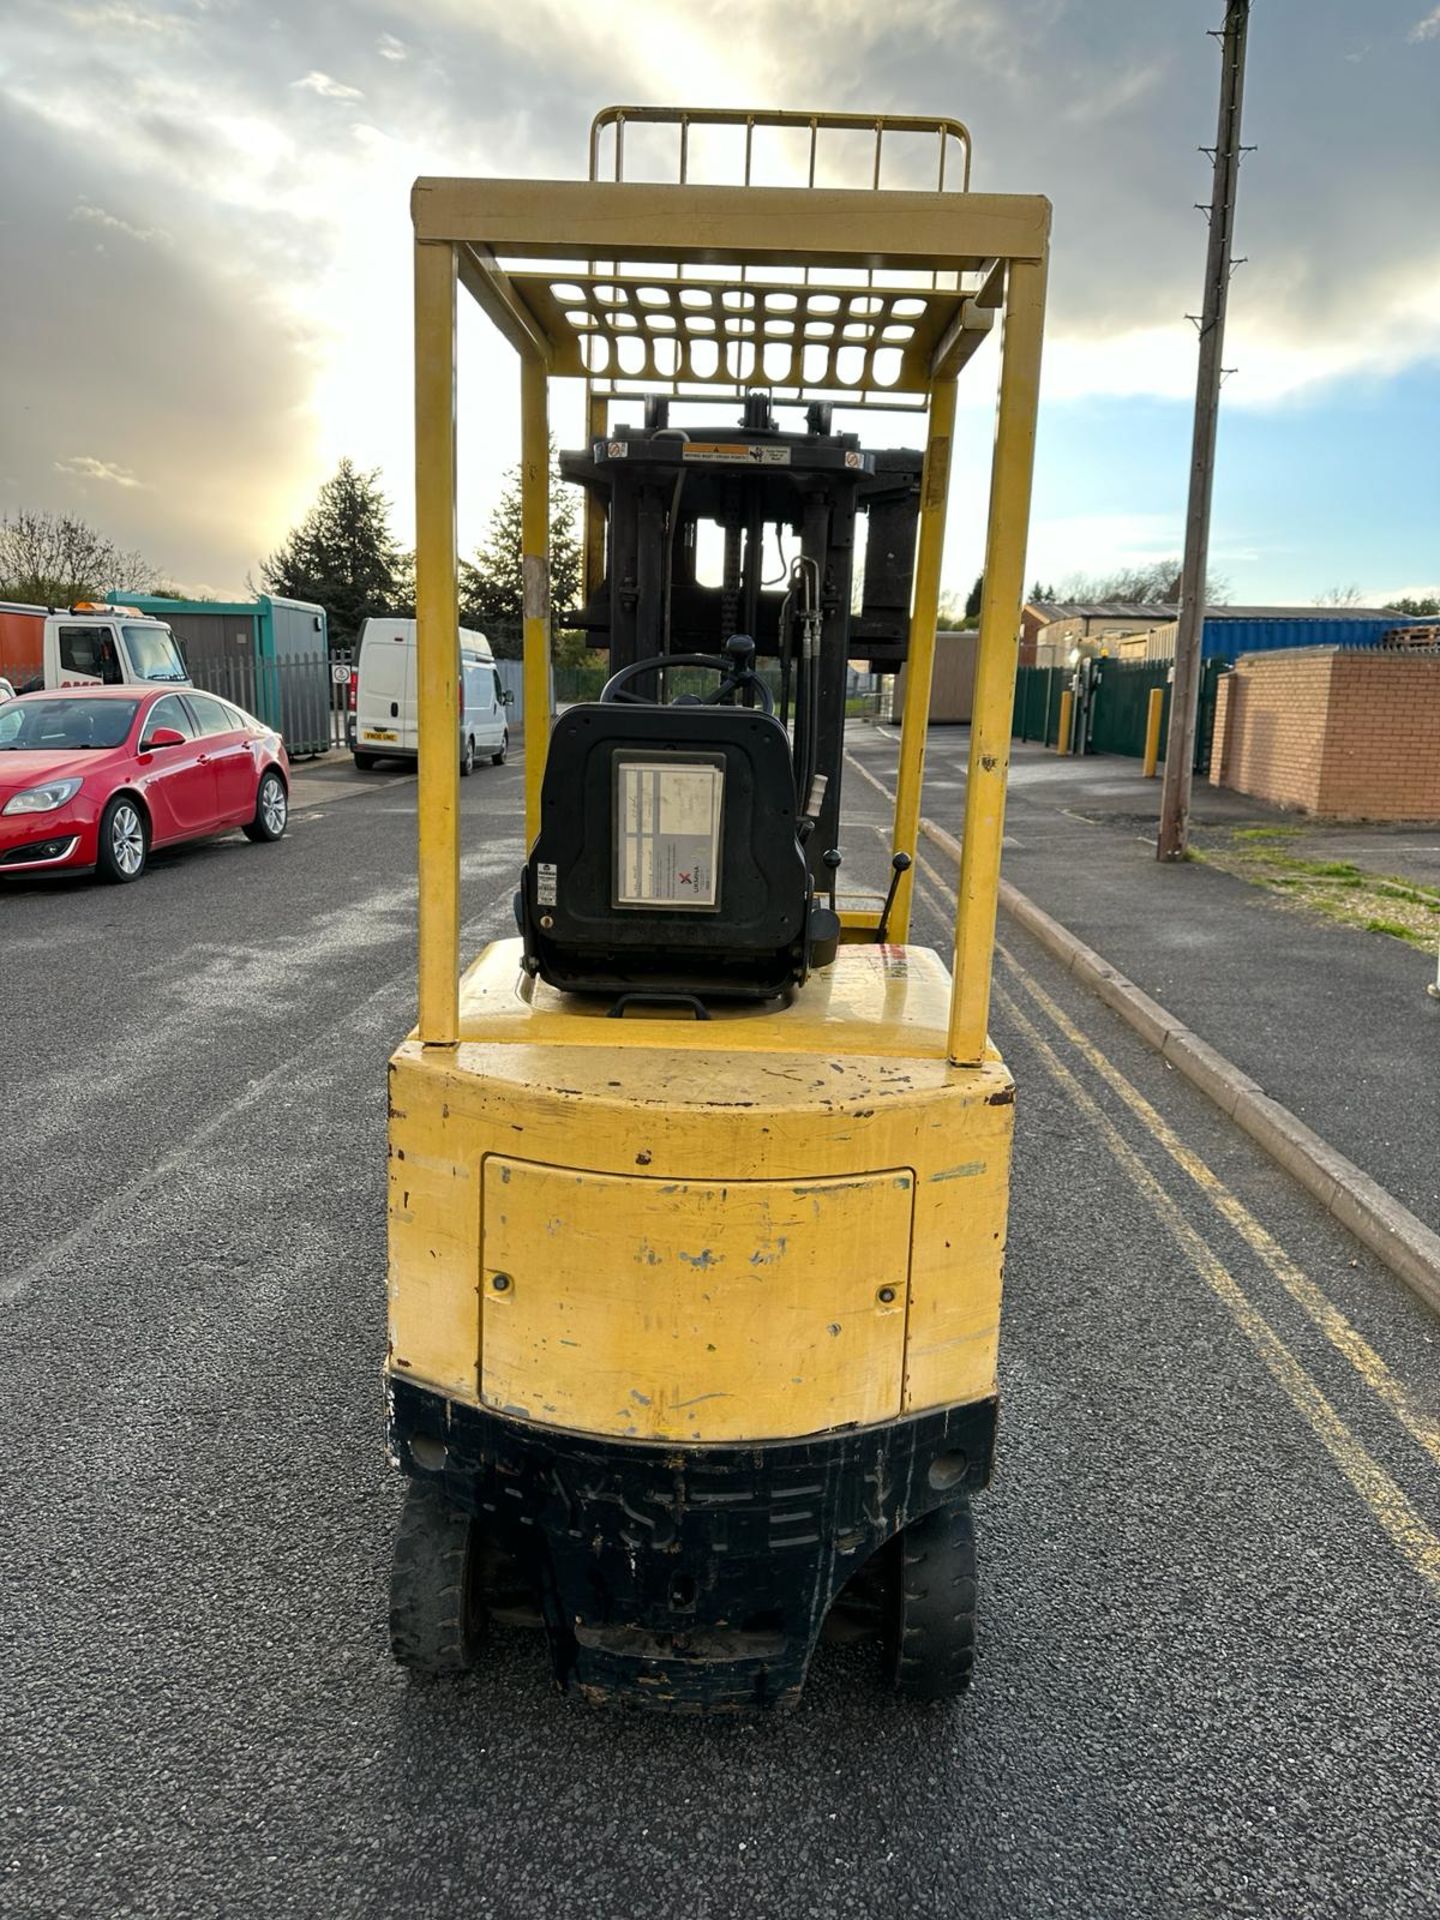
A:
x,y
272,808
498,759
467,758
124,844
364,762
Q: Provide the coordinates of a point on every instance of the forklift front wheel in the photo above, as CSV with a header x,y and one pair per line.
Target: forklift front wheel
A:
x,y
436,1613
931,1628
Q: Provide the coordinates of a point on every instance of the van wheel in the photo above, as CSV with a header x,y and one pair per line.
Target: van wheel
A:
x,y
124,843
364,762
931,1627
498,759
467,758
437,1614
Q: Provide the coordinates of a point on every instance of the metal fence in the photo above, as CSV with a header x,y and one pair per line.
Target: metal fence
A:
x,y
303,698
1119,705
1037,703
300,697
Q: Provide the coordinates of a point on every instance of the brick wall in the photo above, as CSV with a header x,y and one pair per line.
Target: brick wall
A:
x,y
1348,735
1273,734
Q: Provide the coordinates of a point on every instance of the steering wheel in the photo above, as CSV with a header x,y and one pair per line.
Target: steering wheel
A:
x,y
733,666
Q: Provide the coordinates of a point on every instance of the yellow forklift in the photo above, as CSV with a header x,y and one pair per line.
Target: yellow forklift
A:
x,y
698,1184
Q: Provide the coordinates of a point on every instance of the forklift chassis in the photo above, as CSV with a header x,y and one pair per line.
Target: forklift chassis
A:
x,y
697,1199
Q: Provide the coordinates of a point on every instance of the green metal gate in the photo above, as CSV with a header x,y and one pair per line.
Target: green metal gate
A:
x,y
1122,701
1037,703
1121,705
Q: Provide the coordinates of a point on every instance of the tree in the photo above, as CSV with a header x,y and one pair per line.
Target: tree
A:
x,y
53,559
342,555
1420,605
976,597
1038,592
1339,596
1155,583
492,593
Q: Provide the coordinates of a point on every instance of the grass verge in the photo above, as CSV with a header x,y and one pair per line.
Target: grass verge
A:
x,y
1336,889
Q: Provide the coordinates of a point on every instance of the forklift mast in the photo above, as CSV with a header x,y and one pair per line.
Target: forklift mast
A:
x,y
767,495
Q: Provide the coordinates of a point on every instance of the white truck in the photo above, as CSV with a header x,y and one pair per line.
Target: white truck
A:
x,y
92,643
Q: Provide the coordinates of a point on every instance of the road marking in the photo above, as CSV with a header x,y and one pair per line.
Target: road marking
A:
x,y
1346,1339
1385,1500
1337,1329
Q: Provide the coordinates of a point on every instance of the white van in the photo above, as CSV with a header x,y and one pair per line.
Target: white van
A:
x,y
383,695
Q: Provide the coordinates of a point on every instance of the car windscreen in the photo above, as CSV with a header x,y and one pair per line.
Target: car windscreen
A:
x,y
153,654
40,726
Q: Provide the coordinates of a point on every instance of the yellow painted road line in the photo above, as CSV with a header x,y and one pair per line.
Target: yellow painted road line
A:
x,y
1381,1495
1385,1500
1337,1329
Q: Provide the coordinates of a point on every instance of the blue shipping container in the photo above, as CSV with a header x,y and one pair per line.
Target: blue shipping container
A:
x,y
1226,637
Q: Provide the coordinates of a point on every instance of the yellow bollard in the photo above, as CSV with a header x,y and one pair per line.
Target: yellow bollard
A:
x,y
1067,704
1152,731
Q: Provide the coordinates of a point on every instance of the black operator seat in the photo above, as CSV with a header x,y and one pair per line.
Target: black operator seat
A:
x,y
668,860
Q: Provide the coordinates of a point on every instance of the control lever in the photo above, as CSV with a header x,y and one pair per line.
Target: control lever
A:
x,y
900,864
831,857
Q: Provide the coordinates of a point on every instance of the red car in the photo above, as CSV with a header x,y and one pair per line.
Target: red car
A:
x,y
97,776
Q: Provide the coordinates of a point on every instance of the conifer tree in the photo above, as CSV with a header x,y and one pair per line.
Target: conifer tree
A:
x,y
343,555
492,595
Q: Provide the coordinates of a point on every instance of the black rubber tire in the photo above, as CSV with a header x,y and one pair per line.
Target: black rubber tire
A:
x,y
930,1631
364,762
467,757
111,863
437,1615
498,759
263,828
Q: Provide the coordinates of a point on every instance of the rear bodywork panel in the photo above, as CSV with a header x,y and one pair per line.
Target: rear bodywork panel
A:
x,y
732,1255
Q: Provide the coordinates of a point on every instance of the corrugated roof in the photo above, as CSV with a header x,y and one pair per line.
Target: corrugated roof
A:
x,y
1157,614
1103,610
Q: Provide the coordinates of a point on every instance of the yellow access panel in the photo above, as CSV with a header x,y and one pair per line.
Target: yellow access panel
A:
x,y
702,1310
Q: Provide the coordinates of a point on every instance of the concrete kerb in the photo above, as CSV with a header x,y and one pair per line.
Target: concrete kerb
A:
x,y
1376,1218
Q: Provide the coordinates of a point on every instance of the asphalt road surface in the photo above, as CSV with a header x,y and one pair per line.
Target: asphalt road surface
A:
x,y
1208,1666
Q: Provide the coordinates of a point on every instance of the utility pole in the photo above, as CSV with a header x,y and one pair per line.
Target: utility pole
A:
x,y
1185,693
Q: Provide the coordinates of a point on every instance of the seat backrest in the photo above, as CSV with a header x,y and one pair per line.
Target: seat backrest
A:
x,y
667,859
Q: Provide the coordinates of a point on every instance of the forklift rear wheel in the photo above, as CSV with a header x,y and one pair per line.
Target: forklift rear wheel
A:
x,y
436,1613
931,1630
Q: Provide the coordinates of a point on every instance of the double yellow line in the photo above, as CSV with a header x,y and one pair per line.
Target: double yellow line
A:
x,y
1385,1500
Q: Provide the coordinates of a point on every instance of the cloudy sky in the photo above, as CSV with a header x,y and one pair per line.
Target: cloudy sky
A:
x,y
205,294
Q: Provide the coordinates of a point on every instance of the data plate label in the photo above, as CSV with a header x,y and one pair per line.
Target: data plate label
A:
x,y
667,840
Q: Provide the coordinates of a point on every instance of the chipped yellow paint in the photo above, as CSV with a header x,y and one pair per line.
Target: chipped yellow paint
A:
x,y
716,1310
845,1086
